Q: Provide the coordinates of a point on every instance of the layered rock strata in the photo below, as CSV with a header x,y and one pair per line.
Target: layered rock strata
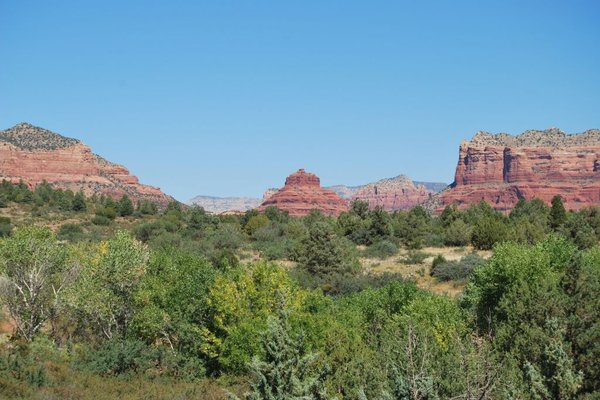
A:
x,y
33,155
399,193
302,193
501,169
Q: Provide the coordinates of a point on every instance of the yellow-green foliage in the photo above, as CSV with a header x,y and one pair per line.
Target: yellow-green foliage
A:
x,y
241,302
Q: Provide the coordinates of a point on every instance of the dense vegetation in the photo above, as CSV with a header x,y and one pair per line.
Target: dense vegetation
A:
x,y
123,300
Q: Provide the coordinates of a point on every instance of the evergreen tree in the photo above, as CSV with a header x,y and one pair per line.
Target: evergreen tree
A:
x,y
125,206
323,252
285,371
380,226
556,377
78,203
558,214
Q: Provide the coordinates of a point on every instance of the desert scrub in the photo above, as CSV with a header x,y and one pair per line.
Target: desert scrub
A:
x,y
414,257
382,250
456,270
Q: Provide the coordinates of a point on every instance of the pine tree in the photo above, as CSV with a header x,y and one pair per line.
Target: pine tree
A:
x,y
79,202
558,214
125,206
285,371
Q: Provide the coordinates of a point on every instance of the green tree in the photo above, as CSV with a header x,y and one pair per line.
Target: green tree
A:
x,y
240,302
556,377
35,270
579,231
380,226
413,227
171,310
105,290
255,223
488,231
458,233
79,202
449,215
286,370
558,214
324,253
125,206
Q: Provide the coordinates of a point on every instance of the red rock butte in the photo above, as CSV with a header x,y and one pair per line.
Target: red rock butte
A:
x,y
501,169
302,193
33,155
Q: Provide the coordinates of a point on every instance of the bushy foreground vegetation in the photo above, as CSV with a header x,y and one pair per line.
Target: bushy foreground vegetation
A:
x,y
174,304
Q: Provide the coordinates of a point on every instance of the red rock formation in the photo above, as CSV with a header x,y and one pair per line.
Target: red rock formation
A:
x,y
501,169
33,155
399,193
302,193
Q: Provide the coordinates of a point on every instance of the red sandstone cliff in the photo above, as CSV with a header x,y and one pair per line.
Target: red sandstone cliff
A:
x,y
502,169
302,193
33,155
399,193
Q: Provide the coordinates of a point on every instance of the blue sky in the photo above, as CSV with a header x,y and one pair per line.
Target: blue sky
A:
x,y
228,97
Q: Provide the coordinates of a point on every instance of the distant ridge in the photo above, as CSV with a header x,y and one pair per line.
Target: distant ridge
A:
x,y
219,205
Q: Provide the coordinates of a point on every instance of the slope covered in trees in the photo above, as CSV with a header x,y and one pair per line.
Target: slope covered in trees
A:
x,y
184,304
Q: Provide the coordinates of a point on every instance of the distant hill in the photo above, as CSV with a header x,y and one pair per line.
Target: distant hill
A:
x,y
391,193
32,154
219,205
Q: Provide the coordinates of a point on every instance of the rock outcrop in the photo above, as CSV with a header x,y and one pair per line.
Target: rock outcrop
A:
x,y
390,193
501,169
302,193
399,193
33,155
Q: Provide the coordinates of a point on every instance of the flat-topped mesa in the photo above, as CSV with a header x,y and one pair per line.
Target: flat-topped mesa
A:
x,y
33,155
552,137
302,193
502,169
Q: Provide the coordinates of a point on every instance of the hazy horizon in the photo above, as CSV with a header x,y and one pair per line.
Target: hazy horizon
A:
x,y
228,99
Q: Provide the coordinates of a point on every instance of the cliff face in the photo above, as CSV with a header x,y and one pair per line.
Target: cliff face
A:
x,y
399,193
33,154
502,169
302,193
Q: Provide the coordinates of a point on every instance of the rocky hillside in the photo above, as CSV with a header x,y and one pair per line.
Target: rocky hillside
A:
x,y
399,193
32,155
302,193
502,169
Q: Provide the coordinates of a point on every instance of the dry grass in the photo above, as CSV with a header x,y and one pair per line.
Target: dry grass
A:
x,y
420,272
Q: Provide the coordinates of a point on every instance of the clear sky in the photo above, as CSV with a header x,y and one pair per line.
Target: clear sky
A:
x,y
228,97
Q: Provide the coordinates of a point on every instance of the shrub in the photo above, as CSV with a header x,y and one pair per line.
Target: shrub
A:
x,y
107,212
5,227
70,232
414,257
121,357
439,259
382,249
101,220
457,270
149,230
